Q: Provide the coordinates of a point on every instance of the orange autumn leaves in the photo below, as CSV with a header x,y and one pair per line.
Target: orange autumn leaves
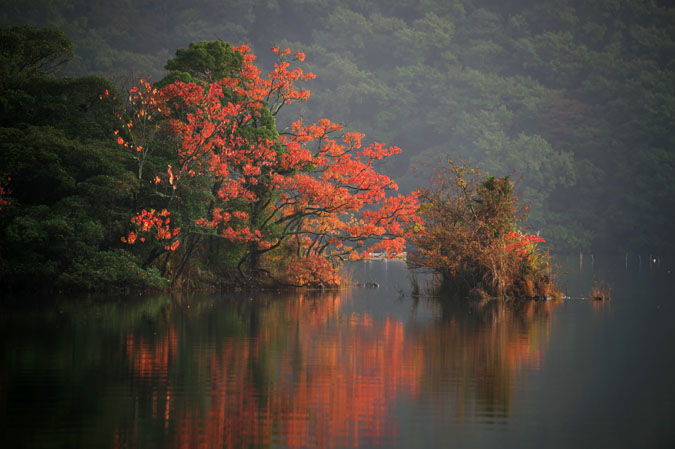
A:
x,y
312,191
138,127
334,203
157,225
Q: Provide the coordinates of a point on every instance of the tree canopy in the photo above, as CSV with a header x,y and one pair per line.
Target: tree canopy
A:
x,y
188,182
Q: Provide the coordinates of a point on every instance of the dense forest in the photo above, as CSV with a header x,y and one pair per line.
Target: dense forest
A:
x,y
576,98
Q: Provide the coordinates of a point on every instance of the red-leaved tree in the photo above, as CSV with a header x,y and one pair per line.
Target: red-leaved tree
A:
x,y
306,198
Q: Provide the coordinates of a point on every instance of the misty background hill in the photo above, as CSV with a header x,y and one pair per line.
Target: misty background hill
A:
x,y
577,97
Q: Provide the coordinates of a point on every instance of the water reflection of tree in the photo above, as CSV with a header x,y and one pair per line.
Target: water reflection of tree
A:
x,y
299,371
478,351
301,374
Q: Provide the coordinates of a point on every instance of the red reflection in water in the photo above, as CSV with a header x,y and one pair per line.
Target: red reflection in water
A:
x,y
151,359
312,377
326,389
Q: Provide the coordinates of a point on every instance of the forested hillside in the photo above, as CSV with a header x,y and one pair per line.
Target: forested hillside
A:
x,y
577,97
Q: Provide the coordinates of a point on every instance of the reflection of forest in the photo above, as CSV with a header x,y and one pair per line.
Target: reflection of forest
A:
x,y
478,351
300,373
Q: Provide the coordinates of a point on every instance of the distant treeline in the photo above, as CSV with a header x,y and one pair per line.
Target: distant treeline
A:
x,y
575,96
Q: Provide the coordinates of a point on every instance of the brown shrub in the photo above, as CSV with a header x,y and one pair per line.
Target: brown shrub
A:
x,y
472,236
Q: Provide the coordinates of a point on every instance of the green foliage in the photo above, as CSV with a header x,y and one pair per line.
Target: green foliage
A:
x,y
207,61
70,201
70,188
71,104
106,270
27,52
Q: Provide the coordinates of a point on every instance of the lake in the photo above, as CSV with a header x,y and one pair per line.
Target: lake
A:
x,y
363,367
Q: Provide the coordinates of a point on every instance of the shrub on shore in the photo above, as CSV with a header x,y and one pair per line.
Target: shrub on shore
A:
x,y
472,237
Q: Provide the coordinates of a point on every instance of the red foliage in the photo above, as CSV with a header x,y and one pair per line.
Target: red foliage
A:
x,y
306,189
155,224
4,190
139,122
522,245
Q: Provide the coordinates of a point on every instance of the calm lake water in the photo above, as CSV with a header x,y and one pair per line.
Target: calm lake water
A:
x,y
366,367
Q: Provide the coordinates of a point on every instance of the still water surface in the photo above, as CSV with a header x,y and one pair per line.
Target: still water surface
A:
x,y
366,367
